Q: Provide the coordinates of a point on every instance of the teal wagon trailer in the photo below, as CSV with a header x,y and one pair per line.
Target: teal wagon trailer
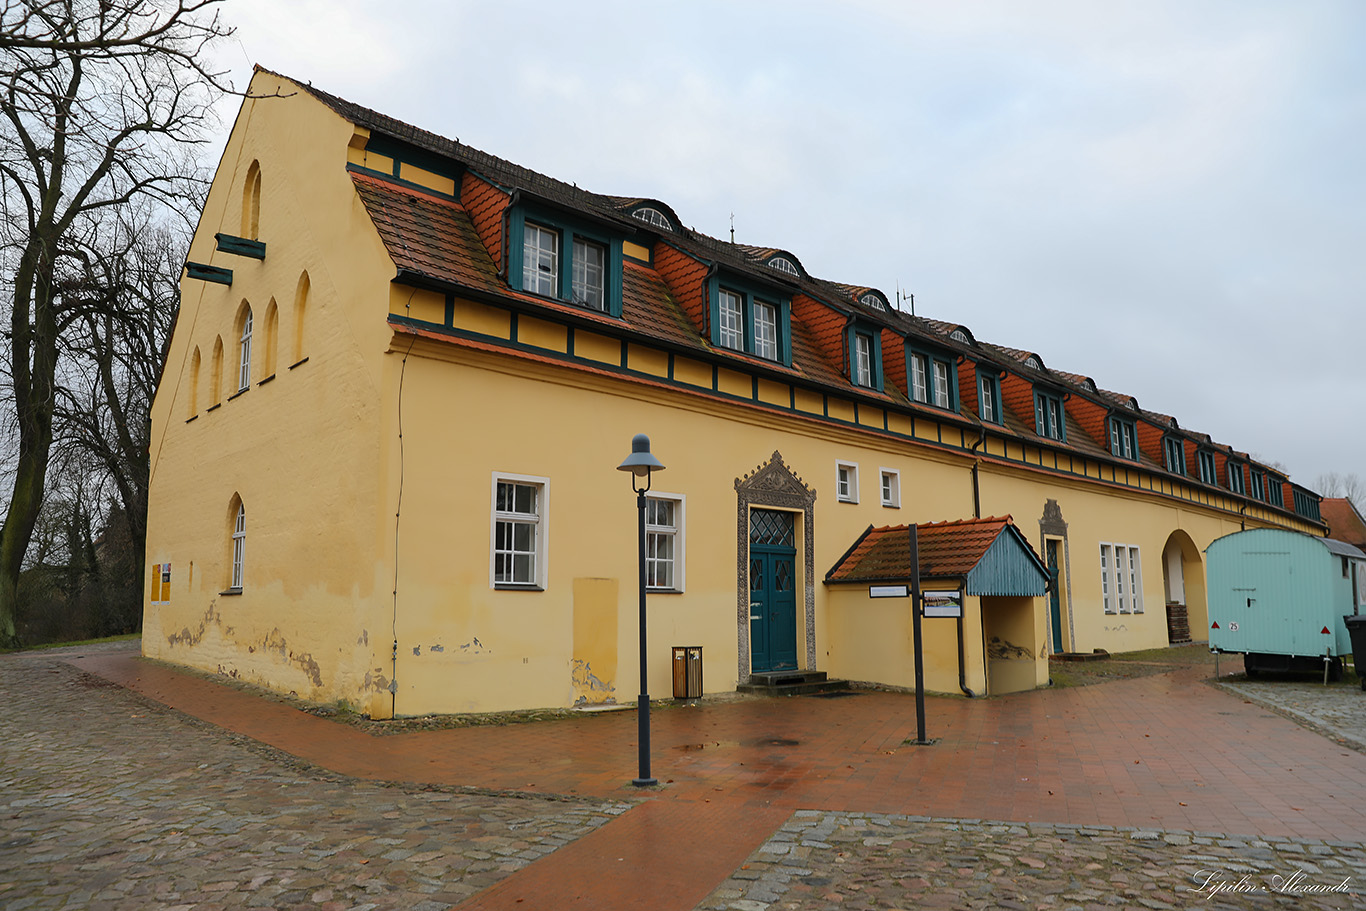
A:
x,y
1279,597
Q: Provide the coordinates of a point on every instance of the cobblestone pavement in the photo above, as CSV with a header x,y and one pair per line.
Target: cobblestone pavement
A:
x,y
822,861
1337,710
110,801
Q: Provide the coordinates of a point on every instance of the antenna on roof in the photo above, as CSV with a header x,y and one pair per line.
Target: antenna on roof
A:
x,y
904,295
732,227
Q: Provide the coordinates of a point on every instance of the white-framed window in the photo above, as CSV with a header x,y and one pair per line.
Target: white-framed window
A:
x,y
986,395
664,550
540,259
891,487
244,371
239,546
941,384
590,270
765,330
732,321
520,509
1121,579
920,378
846,482
863,359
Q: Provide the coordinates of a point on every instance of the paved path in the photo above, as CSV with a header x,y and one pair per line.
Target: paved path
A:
x,y
108,799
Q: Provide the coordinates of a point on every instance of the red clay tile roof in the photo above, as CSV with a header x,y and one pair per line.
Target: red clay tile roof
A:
x,y
461,244
1344,521
427,234
948,550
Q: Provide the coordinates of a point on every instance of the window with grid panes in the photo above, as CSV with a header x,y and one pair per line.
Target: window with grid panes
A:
x,y
863,359
540,260
663,544
518,542
732,321
590,265
765,330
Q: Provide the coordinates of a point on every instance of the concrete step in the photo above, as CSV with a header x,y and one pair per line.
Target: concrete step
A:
x,y
791,683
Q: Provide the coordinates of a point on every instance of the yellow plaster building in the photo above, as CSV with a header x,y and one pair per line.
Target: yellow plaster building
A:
x,y
404,372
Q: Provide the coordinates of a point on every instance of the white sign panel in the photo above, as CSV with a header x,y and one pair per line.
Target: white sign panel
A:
x,y
889,591
944,610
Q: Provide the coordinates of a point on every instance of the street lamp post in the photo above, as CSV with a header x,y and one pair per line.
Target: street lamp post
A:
x,y
641,464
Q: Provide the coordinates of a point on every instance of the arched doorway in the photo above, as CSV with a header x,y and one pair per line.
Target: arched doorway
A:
x,y
1183,584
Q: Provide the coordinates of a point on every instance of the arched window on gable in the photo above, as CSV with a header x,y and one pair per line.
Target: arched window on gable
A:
x,y
300,314
272,338
216,368
244,347
237,542
194,384
251,203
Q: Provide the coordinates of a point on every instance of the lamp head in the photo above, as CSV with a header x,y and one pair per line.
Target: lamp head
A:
x,y
640,462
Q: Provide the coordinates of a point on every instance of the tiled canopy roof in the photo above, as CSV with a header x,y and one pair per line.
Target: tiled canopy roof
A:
x,y
947,550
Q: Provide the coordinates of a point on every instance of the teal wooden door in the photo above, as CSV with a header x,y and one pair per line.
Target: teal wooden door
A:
x,y
1054,597
772,591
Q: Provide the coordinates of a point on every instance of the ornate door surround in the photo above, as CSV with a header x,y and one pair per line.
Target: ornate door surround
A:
x,y
775,486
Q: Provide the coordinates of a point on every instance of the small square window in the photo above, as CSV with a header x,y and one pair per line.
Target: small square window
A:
x,y
846,482
891,488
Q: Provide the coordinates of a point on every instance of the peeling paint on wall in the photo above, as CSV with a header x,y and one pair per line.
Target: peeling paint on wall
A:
x,y
185,637
436,648
591,690
475,647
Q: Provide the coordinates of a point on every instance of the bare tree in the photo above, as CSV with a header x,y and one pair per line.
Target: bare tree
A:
x,y
98,99
1349,485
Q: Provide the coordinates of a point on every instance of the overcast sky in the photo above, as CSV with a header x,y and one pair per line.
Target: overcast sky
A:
x,y
1168,197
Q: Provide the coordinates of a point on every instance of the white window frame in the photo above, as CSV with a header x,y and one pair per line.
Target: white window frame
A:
x,y
846,481
890,487
534,278
1121,578
765,330
540,552
589,285
677,534
732,320
920,378
244,362
941,384
239,547
986,399
863,359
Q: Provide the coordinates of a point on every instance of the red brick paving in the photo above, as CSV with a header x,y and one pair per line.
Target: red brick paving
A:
x,y
1164,752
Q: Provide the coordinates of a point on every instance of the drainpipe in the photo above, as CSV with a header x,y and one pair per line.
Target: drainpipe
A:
x,y
1242,517
962,670
976,488
706,300
507,228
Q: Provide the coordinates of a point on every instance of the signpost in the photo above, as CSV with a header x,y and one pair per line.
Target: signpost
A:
x,y
937,603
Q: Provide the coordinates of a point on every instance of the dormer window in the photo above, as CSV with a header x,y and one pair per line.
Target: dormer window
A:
x,y
1205,462
540,260
1033,361
958,335
732,321
783,264
1258,484
592,278
989,397
750,320
1273,492
1123,439
931,378
1234,470
1049,416
1175,452
869,299
653,217
863,359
